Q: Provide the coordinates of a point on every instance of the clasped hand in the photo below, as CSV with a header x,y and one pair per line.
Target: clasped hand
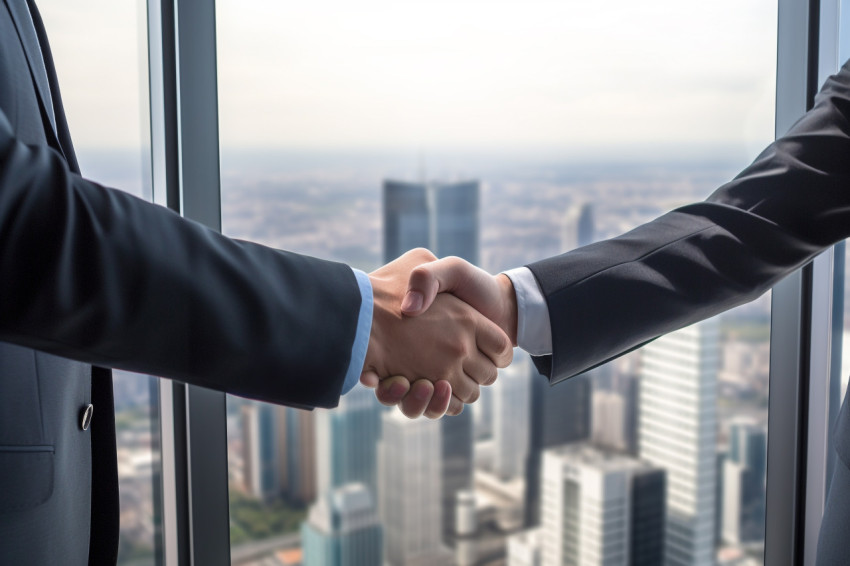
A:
x,y
440,330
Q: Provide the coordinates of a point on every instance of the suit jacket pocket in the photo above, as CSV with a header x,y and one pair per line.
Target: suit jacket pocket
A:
x,y
26,477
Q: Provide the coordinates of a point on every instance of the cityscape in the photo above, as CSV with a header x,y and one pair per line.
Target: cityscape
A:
x,y
656,458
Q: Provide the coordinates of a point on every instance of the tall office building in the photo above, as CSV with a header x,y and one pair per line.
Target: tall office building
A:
x,y
609,420
744,477
562,413
523,548
409,490
343,529
346,439
511,418
443,217
297,431
260,442
578,228
601,508
559,414
677,432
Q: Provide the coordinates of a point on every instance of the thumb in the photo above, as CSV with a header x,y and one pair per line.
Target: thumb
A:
x,y
447,275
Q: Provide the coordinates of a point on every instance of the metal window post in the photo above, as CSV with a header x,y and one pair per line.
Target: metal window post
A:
x,y
185,149
791,318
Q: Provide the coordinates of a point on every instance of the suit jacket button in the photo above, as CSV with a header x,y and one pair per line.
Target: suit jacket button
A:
x,y
85,419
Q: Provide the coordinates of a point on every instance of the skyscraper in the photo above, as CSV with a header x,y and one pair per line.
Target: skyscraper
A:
x,y
346,439
578,228
297,431
260,444
600,508
615,405
409,488
609,420
677,432
443,217
511,418
343,529
744,483
559,414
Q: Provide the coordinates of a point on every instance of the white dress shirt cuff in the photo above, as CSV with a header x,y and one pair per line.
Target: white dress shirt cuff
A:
x,y
533,329
364,329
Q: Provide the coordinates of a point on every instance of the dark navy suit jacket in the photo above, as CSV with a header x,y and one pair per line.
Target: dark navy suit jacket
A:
x,y
611,297
93,278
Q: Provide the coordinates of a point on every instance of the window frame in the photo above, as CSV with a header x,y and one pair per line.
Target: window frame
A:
x,y
185,172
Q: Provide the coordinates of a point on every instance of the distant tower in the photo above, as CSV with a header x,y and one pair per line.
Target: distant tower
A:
x,y
346,440
615,414
409,488
678,405
578,228
609,420
260,443
443,217
511,418
524,548
744,483
601,508
559,414
297,431
343,529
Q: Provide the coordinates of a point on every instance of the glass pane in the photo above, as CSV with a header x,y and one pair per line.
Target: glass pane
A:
x,y
840,362
103,74
502,132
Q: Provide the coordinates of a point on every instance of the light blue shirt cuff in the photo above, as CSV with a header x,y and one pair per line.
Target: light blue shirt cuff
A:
x,y
533,328
364,329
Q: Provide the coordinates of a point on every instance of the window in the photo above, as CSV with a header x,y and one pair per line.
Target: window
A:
x,y
552,125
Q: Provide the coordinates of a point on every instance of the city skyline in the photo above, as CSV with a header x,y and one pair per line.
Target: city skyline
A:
x,y
566,408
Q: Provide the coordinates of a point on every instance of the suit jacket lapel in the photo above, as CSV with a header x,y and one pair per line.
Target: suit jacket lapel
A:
x,y
64,144
29,40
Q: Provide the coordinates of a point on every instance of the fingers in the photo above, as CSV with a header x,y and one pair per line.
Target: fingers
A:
x,y
466,387
481,369
421,398
417,400
440,401
493,342
370,379
392,390
455,407
450,274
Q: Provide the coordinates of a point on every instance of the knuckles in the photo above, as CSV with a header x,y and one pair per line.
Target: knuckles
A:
x,y
422,253
472,396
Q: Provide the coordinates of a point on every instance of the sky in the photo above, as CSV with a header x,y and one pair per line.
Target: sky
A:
x,y
572,75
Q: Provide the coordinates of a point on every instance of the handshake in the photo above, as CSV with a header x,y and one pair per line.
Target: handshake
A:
x,y
440,330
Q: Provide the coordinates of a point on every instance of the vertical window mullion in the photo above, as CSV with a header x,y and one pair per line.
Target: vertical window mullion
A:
x,y
790,335
184,135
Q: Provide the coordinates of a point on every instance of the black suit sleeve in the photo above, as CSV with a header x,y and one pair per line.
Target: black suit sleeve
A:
x,y
699,260
96,275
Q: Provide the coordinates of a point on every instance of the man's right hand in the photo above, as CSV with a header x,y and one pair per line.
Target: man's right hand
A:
x,y
451,342
492,295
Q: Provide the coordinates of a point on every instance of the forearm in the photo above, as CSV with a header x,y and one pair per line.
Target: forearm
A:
x,y
702,259
96,275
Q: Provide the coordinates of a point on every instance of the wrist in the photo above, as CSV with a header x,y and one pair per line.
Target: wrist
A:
x,y
508,321
374,351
